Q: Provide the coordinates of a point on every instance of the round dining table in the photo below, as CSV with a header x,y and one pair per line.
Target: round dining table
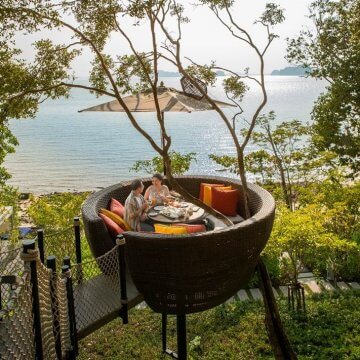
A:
x,y
197,215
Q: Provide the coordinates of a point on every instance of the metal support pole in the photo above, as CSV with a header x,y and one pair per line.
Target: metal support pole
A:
x,y
77,239
40,239
29,245
79,275
120,240
181,336
66,261
51,264
163,331
65,270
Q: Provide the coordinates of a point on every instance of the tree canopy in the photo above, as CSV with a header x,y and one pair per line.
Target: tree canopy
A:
x,y
91,25
332,52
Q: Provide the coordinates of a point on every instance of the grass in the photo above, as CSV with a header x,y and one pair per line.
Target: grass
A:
x,y
236,331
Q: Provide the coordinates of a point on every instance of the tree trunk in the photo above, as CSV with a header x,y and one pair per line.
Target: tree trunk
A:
x,y
277,336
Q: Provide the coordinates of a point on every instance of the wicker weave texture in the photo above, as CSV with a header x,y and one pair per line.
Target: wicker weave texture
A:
x,y
188,273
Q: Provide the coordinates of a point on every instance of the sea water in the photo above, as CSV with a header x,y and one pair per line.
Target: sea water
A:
x,y
63,150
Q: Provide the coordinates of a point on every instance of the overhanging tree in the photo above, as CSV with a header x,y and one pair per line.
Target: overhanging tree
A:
x,y
332,52
234,85
49,74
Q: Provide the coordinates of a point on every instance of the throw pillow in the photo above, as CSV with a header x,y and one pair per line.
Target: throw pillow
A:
x,y
117,207
173,230
113,228
193,228
116,218
202,186
208,193
225,201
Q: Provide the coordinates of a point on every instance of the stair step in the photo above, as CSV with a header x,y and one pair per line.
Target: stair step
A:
x,y
242,295
284,290
342,286
354,285
313,286
327,286
256,294
306,275
276,294
141,306
230,300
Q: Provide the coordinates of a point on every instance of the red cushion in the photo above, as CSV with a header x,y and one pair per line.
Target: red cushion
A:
x,y
116,207
225,201
202,185
193,228
113,228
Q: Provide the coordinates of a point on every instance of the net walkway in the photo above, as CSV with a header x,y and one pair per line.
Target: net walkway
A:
x,y
45,312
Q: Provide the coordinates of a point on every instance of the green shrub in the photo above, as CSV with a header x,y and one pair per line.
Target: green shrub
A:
x,y
302,238
55,214
9,197
56,211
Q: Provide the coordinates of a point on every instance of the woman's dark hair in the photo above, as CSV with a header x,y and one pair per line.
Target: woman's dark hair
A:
x,y
136,184
158,176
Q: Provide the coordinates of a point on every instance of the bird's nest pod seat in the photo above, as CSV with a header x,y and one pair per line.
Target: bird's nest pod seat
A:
x,y
181,274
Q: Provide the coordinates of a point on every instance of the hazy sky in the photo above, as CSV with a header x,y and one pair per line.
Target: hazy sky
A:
x,y
206,39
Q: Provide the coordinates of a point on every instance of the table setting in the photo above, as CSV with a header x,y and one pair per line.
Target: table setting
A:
x,y
175,211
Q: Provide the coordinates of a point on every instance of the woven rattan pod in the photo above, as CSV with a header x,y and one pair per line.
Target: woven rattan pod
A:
x,y
188,273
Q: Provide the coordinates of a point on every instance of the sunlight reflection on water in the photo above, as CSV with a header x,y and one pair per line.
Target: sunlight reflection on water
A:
x,y
62,149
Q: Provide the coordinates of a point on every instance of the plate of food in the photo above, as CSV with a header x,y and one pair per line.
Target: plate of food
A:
x,y
152,212
159,207
169,213
184,205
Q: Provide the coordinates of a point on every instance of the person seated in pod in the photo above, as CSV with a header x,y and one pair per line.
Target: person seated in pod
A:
x,y
136,208
157,193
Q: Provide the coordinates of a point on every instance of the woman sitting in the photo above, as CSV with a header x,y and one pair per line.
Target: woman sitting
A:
x,y
157,193
136,207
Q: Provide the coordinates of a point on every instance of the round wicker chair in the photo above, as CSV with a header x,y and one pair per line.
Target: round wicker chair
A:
x,y
187,273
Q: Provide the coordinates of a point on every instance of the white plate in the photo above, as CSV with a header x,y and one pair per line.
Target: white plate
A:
x,y
184,205
159,208
171,216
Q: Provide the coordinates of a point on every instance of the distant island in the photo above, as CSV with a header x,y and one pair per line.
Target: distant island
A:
x,y
291,71
163,73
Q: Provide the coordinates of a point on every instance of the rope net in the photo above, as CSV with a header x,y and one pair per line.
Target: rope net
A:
x,y
16,324
17,336
96,288
62,315
10,264
46,315
60,244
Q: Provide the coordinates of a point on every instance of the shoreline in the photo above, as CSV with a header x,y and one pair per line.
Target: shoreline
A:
x,y
27,198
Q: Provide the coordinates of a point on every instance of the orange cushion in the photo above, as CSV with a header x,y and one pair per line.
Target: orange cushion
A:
x,y
193,228
170,230
225,201
116,218
117,207
202,185
208,193
113,228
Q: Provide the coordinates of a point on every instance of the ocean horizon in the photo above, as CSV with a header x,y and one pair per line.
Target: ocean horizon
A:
x,y
63,150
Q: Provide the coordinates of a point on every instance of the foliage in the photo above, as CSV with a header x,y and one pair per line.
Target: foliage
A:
x,y
332,51
9,75
180,163
285,157
57,211
236,331
304,237
55,214
9,197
